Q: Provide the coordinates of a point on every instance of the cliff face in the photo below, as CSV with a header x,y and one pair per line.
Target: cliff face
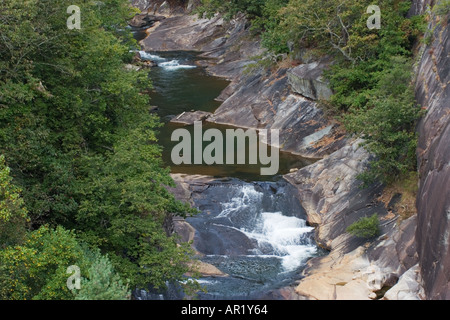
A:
x,y
433,201
355,268
412,256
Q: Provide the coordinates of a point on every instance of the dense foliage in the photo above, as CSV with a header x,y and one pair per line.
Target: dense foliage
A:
x,y
13,214
371,74
80,168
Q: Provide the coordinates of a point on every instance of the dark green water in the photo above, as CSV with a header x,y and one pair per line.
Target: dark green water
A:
x,y
182,89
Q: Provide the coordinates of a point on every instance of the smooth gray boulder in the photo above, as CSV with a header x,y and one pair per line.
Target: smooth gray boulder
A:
x,y
307,80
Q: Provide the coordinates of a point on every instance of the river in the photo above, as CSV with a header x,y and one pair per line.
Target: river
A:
x,y
251,227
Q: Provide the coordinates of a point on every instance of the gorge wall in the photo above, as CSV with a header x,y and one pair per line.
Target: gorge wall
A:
x,y
433,201
411,258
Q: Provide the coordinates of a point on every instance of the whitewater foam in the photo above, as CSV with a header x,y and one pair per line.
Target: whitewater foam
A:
x,y
171,65
247,197
148,56
174,65
287,236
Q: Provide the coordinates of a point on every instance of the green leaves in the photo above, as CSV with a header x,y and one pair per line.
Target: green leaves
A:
x,y
387,123
13,214
102,281
124,202
37,269
367,227
371,77
230,8
81,144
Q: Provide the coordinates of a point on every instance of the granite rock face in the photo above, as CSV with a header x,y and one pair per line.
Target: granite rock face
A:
x,y
355,268
433,202
307,80
220,42
182,32
331,194
266,102
408,287
145,20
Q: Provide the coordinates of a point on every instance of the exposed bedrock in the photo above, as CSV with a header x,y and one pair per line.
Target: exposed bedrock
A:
x,y
433,154
333,199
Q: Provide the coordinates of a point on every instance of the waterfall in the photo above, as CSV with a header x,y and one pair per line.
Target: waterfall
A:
x,y
285,237
170,65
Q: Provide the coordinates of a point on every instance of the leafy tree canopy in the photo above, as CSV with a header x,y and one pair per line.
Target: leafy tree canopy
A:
x,y
81,149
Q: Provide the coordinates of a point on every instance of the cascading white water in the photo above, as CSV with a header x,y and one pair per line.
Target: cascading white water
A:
x,y
148,56
277,235
174,65
248,197
287,236
170,65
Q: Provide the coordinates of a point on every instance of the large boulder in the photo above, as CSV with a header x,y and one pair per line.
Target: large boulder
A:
x,y
337,277
308,81
408,286
145,20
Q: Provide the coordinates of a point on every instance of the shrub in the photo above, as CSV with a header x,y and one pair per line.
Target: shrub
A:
x,y
367,227
386,120
442,8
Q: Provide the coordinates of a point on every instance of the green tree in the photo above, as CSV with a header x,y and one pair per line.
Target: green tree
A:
x,y
80,142
37,269
13,214
370,76
230,8
387,123
124,205
324,25
102,282
64,93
